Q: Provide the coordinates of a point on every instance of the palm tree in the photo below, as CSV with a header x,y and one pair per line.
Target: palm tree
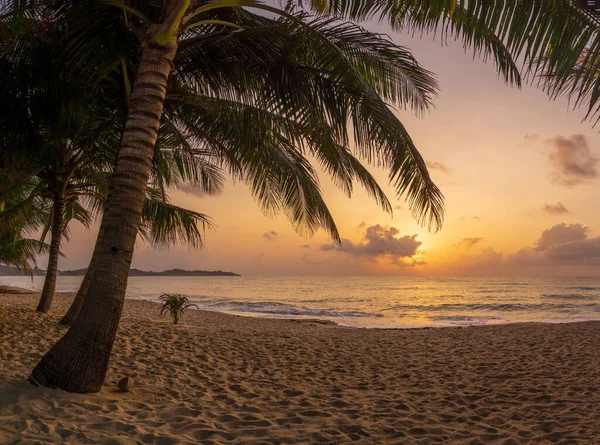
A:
x,y
346,90
163,225
66,161
70,183
67,172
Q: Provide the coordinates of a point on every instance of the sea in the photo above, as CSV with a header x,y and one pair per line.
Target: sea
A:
x,y
375,302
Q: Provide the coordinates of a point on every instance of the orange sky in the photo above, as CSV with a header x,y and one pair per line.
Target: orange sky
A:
x,y
511,164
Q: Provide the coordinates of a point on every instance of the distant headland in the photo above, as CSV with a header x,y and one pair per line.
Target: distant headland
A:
x,y
12,271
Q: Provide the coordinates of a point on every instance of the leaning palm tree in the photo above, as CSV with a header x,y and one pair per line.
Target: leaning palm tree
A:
x,y
59,144
338,91
267,151
163,225
68,158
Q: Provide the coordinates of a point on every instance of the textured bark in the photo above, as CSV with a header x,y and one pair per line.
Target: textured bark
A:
x,y
77,304
52,269
79,361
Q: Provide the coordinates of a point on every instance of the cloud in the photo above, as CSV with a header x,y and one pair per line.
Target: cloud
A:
x,y
440,166
398,207
569,244
561,245
379,241
583,252
531,137
561,249
560,234
572,161
477,218
487,258
467,243
271,236
305,246
555,209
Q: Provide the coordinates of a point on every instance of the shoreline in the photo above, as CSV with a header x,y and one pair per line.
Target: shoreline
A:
x,y
328,321
226,379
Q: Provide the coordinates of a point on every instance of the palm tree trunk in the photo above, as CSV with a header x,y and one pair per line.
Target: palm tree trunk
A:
x,y
77,304
52,269
79,361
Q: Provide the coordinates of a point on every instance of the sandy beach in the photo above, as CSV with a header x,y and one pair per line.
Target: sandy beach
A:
x,y
220,378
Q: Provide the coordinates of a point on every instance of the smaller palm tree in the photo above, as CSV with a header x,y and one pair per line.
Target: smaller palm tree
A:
x,y
175,304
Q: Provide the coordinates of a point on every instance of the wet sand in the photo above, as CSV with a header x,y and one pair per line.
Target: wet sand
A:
x,y
221,378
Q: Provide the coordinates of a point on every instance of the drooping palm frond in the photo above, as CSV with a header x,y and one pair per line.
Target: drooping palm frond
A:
x,y
581,87
22,214
177,164
279,177
314,84
23,211
265,43
164,224
551,36
21,252
391,70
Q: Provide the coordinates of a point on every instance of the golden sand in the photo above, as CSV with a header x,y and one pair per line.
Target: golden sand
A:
x,y
225,379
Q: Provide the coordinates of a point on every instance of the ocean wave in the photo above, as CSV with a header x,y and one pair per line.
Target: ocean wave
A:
x,y
276,308
337,300
502,307
464,320
571,296
493,290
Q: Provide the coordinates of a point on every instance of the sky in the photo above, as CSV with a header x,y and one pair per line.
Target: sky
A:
x,y
519,174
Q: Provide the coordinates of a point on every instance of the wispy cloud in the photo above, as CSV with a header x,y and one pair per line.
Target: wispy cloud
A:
x,y
555,209
531,137
467,243
440,166
271,236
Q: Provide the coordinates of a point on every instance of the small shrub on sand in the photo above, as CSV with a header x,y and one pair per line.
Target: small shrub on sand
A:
x,y
175,304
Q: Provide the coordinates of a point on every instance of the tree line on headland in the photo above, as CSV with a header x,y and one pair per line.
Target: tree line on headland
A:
x,y
36,271
108,105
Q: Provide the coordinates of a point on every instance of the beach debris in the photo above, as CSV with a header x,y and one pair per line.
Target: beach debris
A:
x,y
125,384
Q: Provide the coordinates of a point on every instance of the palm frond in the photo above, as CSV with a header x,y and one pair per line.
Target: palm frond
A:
x,y
20,252
165,224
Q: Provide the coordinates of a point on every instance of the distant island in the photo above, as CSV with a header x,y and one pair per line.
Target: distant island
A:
x,y
12,271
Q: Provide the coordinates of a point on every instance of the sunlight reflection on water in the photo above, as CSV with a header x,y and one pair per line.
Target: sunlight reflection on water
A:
x,y
385,302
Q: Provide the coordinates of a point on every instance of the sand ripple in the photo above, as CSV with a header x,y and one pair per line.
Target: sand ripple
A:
x,y
221,379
